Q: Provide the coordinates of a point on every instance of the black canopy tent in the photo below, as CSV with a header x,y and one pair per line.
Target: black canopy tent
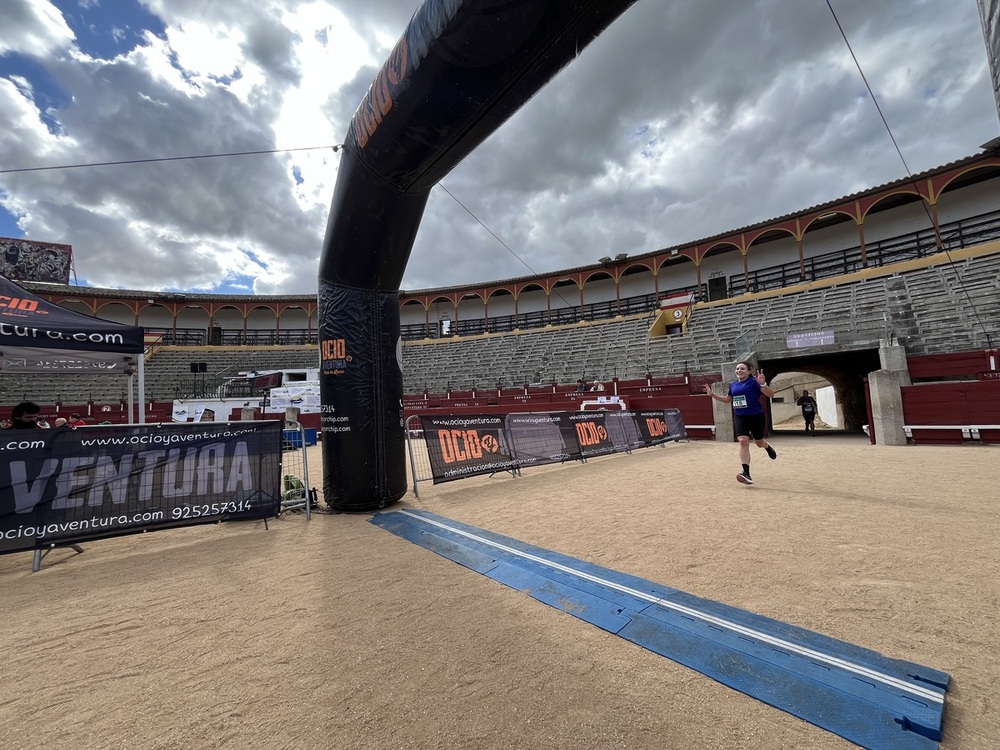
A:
x,y
37,336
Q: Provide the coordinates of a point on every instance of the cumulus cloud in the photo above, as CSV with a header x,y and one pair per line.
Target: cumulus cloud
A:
x,y
681,121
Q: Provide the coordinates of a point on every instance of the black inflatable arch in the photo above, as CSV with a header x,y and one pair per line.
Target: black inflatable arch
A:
x,y
461,68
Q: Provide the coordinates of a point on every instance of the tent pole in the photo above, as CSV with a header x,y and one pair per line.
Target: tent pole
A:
x,y
142,388
131,401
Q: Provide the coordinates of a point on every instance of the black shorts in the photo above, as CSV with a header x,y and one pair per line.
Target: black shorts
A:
x,y
752,425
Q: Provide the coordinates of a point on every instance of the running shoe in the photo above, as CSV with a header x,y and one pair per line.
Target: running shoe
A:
x,y
771,453
743,479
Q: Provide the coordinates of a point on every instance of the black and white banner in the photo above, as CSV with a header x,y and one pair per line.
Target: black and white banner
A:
x,y
468,445
64,486
592,433
538,439
661,426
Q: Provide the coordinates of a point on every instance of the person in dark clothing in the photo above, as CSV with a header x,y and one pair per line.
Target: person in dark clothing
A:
x,y
748,414
809,409
26,416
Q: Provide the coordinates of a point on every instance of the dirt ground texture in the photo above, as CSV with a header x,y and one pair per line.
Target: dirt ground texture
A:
x,y
334,633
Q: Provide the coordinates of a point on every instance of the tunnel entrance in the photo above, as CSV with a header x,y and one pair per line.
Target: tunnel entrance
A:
x,y
843,371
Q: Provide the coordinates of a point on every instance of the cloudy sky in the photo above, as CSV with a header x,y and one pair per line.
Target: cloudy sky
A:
x,y
683,120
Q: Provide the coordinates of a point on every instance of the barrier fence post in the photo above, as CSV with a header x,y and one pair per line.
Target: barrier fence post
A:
x,y
295,493
417,450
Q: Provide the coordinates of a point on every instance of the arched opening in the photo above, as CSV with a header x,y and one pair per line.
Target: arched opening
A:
x,y
803,398
499,311
566,302
532,306
845,372
192,326
713,270
118,312
261,327
294,326
228,326
77,306
414,320
442,314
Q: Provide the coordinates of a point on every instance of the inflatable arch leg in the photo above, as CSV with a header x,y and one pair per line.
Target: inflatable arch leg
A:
x,y
461,68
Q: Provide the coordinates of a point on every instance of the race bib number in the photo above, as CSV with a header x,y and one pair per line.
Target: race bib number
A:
x,y
739,402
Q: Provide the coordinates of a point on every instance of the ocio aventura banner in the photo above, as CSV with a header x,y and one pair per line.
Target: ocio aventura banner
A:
x,y
65,486
470,445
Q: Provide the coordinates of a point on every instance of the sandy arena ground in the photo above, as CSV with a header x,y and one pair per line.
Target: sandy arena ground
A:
x,y
335,634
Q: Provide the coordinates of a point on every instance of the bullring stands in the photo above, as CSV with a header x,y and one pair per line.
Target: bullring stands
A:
x,y
925,307
925,304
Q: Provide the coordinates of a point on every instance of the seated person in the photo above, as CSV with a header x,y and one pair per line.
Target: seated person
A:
x,y
26,416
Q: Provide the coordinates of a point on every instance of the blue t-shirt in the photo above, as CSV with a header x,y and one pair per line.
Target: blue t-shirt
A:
x,y
746,397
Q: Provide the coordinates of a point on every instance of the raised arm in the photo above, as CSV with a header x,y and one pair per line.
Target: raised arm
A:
x,y
727,399
764,387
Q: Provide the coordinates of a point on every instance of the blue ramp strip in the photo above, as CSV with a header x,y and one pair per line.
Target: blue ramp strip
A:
x,y
858,694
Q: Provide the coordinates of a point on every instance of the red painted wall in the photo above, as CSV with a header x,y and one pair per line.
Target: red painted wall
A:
x,y
954,403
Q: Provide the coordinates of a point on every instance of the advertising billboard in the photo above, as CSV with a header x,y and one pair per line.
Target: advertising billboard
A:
x,y
27,260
